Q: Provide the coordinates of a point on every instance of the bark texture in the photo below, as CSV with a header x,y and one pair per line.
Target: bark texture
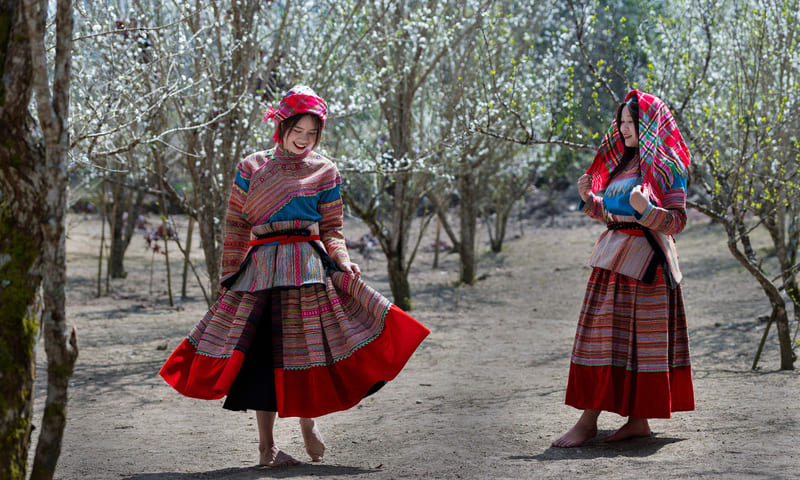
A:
x,y
33,179
19,244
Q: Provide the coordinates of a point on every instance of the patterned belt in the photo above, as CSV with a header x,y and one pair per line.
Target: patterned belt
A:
x,y
659,258
284,236
631,228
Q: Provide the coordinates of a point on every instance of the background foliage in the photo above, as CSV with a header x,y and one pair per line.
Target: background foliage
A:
x,y
454,109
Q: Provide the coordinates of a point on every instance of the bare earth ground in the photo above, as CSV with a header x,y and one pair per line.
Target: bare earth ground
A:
x,y
481,398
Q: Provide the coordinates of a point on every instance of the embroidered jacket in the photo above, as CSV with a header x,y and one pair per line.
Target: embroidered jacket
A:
x,y
631,254
272,194
663,161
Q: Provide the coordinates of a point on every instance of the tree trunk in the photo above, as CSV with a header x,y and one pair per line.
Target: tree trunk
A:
x,y
61,343
123,224
500,224
398,282
116,251
781,320
162,201
103,214
33,180
793,292
783,237
405,195
793,236
187,258
468,225
19,282
770,290
398,278
20,243
784,336
437,242
210,239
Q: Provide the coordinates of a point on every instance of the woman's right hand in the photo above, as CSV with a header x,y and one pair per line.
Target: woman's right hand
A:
x,y
585,187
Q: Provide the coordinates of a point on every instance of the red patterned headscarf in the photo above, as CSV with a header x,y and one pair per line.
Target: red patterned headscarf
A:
x,y
300,99
662,152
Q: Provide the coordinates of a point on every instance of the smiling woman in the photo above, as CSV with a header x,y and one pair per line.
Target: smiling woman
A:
x,y
295,331
627,125
300,133
631,350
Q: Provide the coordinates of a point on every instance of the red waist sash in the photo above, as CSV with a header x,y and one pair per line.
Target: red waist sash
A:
x,y
283,239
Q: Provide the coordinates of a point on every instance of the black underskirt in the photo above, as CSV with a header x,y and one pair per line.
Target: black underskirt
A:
x,y
254,386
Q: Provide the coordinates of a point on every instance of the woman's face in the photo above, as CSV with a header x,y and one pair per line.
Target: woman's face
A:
x,y
627,128
301,137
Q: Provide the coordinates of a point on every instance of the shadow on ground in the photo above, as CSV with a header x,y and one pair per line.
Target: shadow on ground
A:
x,y
637,447
256,473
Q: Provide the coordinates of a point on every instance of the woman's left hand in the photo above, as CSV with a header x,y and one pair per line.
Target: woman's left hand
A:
x,y
351,268
640,198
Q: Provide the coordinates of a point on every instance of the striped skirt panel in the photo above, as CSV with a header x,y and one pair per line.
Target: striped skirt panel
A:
x,y
631,350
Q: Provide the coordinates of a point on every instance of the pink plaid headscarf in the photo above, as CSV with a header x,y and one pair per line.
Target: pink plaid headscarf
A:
x,y
300,99
662,151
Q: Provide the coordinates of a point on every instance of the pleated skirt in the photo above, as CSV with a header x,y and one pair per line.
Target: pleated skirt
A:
x,y
303,352
631,349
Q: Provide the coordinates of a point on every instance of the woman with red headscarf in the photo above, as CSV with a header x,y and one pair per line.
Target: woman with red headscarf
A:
x,y
631,349
295,332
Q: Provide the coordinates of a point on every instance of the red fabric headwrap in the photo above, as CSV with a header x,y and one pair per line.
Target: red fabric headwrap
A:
x,y
300,99
662,151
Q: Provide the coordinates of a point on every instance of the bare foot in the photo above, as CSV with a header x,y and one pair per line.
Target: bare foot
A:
x,y
634,427
576,435
312,437
275,457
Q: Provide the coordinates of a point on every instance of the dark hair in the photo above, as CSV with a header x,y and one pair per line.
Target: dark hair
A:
x,y
630,152
287,125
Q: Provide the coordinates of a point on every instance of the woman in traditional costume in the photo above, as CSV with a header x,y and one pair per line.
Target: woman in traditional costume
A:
x,y
631,349
295,331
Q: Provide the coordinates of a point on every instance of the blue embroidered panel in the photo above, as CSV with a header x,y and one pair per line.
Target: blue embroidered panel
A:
x,y
243,183
305,208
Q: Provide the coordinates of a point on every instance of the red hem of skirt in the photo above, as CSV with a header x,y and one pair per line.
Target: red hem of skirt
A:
x,y
316,391
200,376
630,393
309,392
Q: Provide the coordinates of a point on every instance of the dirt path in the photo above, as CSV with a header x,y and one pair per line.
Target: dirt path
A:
x,y
482,397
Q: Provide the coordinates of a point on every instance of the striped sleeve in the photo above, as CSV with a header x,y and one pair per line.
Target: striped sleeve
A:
x,y
670,218
593,208
330,227
237,228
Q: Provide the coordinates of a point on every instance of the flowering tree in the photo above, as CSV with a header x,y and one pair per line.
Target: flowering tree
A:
x,y
177,85
114,105
403,45
477,168
516,85
33,180
226,58
729,71
743,126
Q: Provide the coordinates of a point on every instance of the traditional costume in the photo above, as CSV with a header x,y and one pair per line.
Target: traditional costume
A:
x,y
290,333
631,350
